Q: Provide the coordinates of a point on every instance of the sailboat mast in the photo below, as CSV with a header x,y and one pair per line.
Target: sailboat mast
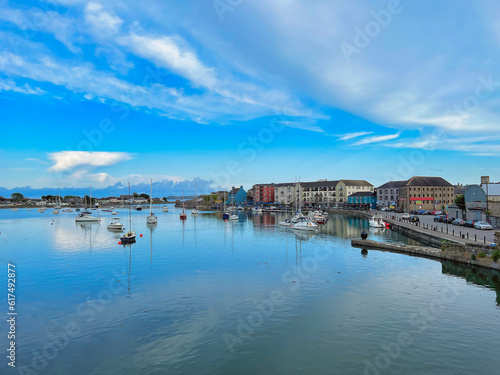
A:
x,y
129,213
151,199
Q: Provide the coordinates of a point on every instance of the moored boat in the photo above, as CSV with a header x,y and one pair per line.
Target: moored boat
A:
x,y
305,224
377,221
115,224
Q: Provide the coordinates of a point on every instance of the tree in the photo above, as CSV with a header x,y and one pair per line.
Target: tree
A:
x,y
460,202
134,195
145,196
17,197
165,199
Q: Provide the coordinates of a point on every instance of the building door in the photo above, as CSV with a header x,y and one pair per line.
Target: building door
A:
x,y
477,215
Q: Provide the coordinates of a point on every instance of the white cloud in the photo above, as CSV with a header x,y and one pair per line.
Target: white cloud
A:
x,y
345,137
376,139
67,160
36,20
102,22
171,53
302,124
23,89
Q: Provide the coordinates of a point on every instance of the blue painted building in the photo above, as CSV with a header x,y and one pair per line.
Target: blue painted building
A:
x,y
237,196
362,200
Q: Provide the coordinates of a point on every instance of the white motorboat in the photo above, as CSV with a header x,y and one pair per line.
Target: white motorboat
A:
x,y
115,224
138,208
377,221
240,208
233,217
257,209
165,209
114,213
194,211
305,224
152,219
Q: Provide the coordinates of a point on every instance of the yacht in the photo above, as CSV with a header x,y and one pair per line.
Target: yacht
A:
x,y
86,216
377,221
128,237
233,217
115,224
183,215
165,209
305,224
286,223
152,219
138,208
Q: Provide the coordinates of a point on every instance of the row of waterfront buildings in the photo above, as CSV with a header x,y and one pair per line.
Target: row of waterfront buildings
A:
x,y
482,201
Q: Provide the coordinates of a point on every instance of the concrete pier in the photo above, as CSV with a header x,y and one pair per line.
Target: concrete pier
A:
x,y
455,252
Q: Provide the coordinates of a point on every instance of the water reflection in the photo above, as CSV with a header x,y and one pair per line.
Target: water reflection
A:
x,y
472,274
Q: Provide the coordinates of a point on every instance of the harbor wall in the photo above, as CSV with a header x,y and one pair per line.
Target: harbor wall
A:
x,y
455,252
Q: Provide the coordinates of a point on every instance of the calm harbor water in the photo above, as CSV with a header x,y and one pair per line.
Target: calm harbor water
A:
x,y
206,296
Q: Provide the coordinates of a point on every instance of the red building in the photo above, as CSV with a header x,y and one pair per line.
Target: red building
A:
x,y
263,194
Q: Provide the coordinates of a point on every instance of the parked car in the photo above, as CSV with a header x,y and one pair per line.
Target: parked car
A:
x,y
448,220
469,224
483,225
439,218
459,222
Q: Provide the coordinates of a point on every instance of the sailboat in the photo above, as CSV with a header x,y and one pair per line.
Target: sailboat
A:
x,y
152,219
183,215
129,237
225,215
86,216
194,211
57,207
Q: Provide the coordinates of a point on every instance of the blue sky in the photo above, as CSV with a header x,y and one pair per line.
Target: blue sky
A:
x,y
243,92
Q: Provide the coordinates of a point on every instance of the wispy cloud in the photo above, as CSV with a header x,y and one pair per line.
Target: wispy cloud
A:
x,y
345,137
376,139
67,160
304,125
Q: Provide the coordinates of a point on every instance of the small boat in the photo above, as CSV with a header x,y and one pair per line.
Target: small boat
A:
x,y
377,221
115,224
128,237
233,217
165,209
86,216
257,209
194,211
56,212
152,219
114,213
107,210
183,215
305,224
285,223
67,210
42,210
138,208
14,209
240,208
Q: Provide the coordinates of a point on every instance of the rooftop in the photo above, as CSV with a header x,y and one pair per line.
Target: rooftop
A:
x,y
427,181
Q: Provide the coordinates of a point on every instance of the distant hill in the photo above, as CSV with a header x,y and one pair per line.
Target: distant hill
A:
x,y
164,188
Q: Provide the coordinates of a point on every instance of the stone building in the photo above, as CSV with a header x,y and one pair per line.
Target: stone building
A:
x,y
426,193
388,194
